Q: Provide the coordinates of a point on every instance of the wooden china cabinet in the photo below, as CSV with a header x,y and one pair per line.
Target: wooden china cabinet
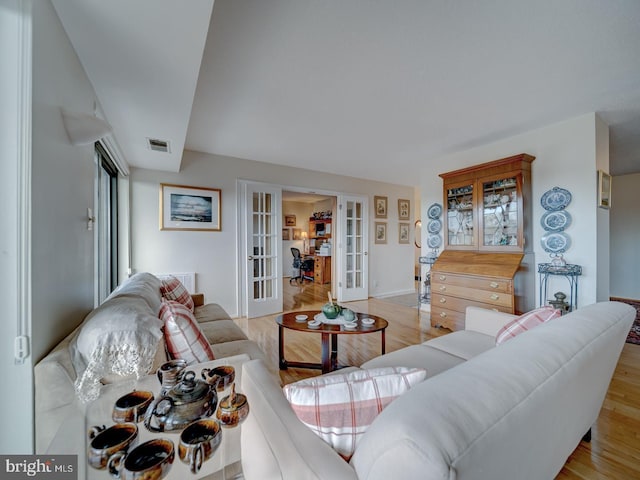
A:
x,y
487,259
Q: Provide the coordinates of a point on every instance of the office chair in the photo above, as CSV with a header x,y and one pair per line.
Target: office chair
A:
x,y
302,268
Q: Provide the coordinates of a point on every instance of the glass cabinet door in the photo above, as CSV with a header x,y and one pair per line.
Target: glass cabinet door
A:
x,y
460,209
500,220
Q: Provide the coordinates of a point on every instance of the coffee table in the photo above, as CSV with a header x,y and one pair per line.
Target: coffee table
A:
x,y
329,334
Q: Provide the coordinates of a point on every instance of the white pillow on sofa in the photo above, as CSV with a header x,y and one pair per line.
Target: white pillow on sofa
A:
x,y
340,407
120,337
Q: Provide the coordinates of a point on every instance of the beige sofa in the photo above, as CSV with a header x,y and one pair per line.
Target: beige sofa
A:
x,y
515,411
55,396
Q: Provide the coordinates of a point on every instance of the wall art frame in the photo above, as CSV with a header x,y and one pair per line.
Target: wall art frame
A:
x,y
404,209
190,208
286,234
381,233
380,203
290,220
404,230
604,189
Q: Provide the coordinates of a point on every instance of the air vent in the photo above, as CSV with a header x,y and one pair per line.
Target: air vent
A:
x,y
158,145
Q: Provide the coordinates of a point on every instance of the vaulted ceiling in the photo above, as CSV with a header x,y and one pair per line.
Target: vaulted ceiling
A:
x,y
371,89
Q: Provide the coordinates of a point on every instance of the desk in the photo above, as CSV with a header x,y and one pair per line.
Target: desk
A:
x,y
322,269
329,333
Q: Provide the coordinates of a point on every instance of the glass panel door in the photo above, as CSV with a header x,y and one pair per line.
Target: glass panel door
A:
x,y
500,212
460,230
263,247
353,284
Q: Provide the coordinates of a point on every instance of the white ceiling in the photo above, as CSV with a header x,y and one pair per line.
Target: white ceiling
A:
x,y
356,87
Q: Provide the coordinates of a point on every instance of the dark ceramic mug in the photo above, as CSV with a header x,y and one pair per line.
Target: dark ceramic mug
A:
x,y
132,406
198,442
150,460
106,442
221,376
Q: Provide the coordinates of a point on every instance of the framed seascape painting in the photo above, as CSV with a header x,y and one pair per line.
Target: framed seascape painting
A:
x,y
189,208
380,206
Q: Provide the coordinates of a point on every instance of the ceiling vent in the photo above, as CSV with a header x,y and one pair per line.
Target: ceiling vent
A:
x,y
158,145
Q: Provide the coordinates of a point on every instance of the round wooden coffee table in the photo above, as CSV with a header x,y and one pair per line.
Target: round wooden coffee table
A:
x,y
329,334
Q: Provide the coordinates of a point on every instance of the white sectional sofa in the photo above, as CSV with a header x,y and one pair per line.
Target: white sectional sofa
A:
x,y
515,411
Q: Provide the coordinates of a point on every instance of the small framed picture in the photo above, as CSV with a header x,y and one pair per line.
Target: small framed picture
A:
x,y
403,233
290,220
297,234
380,206
604,189
286,233
381,232
404,207
189,208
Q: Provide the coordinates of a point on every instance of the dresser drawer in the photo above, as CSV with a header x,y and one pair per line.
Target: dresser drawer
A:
x,y
480,283
461,304
483,296
446,318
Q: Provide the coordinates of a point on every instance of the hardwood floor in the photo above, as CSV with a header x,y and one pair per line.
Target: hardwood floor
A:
x,y
614,451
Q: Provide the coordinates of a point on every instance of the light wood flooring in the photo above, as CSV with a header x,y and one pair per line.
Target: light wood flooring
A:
x,y
614,451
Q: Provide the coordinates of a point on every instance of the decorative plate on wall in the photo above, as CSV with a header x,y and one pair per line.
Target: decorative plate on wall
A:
x,y
556,242
434,226
555,199
434,211
434,241
555,221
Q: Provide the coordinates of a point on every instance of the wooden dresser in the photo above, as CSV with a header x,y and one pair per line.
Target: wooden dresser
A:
x,y
462,278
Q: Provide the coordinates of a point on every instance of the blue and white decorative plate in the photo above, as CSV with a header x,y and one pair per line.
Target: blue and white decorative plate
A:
x,y
555,199
555,221
434,226
434,211
434,241
555,242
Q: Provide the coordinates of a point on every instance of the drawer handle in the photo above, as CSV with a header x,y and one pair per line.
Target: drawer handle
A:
x,y
495,296
443,315
443,288
494,284
443,300
443,277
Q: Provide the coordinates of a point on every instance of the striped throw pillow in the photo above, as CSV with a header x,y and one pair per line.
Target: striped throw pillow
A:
x,y
526,322
340,407
183,335
173,289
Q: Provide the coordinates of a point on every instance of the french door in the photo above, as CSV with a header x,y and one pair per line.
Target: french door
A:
x,y
263,276
353,264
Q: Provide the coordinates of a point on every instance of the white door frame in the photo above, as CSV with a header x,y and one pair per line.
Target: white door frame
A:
x,y
241,232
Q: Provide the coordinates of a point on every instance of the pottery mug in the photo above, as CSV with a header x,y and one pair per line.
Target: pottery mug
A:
x,y
150,460
106,442
221,376
170,374
198,442
132,406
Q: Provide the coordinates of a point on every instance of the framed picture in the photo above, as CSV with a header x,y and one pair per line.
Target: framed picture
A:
x,y
189,208
604,189
381,206
286,233
404,207
381,232
297,234
290,220
403,233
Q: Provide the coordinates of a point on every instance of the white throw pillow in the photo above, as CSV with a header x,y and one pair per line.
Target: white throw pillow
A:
x,y
340,407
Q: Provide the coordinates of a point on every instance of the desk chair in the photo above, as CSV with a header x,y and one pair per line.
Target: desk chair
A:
x,y
302,267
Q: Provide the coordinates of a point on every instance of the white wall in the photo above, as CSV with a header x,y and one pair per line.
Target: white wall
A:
x,y
212,255
566,157
625,237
